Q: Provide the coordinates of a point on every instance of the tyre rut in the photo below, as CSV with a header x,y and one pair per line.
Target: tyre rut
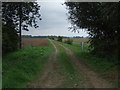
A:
x,y
50,78
92,80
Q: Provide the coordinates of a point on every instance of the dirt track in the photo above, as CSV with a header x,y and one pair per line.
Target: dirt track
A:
x,y
92,80
52,79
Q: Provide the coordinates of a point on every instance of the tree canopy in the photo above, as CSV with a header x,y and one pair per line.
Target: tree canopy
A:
x,y
13,11
17,16
101,19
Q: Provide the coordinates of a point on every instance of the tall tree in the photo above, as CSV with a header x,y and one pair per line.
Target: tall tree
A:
x,y
102,22
19,15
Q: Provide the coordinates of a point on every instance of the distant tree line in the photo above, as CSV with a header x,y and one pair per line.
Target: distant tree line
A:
x,y
17,16
51,37
102,21
30,36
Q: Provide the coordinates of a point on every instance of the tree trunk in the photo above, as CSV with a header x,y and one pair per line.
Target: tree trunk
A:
x,y
20,16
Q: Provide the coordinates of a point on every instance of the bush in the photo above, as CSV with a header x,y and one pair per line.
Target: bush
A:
x,y
51,37
9,40
69,41
59,39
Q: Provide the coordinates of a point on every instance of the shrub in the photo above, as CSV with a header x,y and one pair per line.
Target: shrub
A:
x,y
9,40
69,41
59,39
51,37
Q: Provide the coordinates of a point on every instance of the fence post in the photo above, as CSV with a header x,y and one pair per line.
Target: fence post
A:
x,y
82,44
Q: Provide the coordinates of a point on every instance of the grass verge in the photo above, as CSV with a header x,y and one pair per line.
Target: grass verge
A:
x,y
107,69
23,66
73,76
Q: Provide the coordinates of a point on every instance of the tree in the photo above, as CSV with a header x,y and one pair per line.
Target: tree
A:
x,y
102,22
69,41
59,38
20,15
52,37
10,40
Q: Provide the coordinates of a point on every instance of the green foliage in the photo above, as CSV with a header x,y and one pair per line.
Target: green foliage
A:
x,y
52,37
23,66
18,16
28,12
69,41
9,40
102,23
59,38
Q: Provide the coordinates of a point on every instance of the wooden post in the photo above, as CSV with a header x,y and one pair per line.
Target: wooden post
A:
x,y
82,44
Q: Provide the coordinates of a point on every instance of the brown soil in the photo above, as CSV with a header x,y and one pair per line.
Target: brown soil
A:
x,y
92,80
34,42
75,40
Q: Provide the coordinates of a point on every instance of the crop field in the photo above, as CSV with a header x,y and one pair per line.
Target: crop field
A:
x,y
78,40
34,42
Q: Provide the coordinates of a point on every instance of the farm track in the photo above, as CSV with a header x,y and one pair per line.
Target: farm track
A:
x,y
92,80
52,79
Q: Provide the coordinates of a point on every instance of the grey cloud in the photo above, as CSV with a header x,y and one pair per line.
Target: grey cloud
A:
x,y
54,21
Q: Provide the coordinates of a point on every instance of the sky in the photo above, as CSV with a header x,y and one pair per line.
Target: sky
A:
x,y
54,21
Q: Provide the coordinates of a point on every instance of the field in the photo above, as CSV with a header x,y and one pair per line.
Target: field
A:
x,y
43,63
78,40
34,42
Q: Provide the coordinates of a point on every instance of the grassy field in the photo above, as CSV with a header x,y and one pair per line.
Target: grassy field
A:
x,y
23,66
106,69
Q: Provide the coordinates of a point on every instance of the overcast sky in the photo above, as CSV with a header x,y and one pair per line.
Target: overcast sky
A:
x,y
54,21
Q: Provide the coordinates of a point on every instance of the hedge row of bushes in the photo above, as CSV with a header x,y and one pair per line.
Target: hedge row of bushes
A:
x,y
68,41
60,39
